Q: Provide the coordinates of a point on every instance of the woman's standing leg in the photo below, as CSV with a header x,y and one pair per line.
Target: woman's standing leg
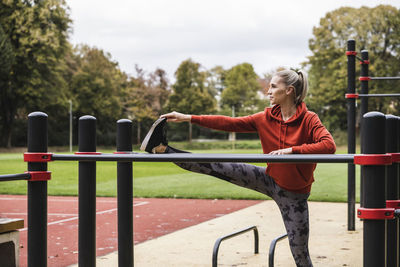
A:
x,y
294,210
293,207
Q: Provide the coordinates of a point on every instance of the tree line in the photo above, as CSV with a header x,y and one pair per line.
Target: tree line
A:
x,y
41,70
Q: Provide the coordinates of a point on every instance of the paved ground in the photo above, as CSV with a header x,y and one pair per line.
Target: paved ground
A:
x,y
330,243
152,218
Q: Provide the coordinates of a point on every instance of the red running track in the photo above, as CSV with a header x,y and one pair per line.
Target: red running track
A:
x,y
152,218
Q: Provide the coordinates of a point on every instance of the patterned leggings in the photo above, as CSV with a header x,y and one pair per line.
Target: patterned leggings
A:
x,y
293,206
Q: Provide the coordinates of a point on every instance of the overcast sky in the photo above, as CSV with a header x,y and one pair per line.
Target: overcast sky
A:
x,y
161,33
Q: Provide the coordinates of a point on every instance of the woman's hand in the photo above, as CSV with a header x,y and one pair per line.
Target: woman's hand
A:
x,y
284,151
176,117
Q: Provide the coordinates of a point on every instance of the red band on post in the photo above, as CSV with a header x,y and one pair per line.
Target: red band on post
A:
x,y
39,175
395,204
375,214
351,95
373,159
37,157
395,157
351,53
365,78
87,153
364,62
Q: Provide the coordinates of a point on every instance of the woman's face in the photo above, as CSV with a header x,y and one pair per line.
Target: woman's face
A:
x,y
278,91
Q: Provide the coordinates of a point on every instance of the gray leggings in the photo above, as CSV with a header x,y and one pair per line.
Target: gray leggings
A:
x,y
293,206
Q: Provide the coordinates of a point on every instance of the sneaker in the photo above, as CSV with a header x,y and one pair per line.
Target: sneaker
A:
x,y
156,136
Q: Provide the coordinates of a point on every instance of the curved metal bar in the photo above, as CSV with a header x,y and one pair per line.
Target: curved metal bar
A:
x,y
219,240
197,157
14,177
272,249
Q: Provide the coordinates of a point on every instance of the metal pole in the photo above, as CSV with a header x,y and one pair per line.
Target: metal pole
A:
x,y
37,193
364,109
70,125
125,195
87,193
204,158
391,189
374,179
398,191
351,135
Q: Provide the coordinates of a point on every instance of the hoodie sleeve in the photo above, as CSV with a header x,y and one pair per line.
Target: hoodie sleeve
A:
x,y
225,123
322,140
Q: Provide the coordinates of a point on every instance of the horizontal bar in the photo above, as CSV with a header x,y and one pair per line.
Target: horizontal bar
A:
x,y
14,177
385,78
378,95
254,228
219,240
198,157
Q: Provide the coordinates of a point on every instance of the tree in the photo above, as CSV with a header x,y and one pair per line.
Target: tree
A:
x,y
241,89
96,86
215,80
6,56
36,36
189,93
145,97
375,29
159,84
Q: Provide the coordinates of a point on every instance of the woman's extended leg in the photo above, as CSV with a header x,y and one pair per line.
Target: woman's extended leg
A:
x,y
241,174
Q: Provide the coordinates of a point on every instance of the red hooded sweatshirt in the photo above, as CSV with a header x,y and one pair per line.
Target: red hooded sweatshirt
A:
x,y
303,132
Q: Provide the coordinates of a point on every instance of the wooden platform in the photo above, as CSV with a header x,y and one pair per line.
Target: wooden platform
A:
x,y
9,241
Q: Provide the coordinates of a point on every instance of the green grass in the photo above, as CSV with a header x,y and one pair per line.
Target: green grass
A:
x,y
168,180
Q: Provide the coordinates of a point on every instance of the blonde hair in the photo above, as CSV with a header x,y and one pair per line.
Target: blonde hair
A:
x,y
297,79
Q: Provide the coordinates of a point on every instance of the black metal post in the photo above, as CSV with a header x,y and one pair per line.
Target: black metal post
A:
x,y
373,136
125,195
364,82
363,109
391,189
37,193
351,135
87,193
398,190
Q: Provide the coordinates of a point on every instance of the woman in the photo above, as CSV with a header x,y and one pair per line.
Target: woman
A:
x,y
285,128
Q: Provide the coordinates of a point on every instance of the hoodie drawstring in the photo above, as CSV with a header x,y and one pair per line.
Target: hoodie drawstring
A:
x,y
282,140
280,127
284,137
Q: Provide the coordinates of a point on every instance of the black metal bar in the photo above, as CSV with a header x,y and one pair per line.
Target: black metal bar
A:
x,y
271,254
374,178
199,157
87,193
363,110
378,95
385,78
125,196
37,193
391,189
398,190
14,177
219,240
351,135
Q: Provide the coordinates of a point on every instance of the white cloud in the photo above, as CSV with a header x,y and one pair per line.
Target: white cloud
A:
x,y
157,33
